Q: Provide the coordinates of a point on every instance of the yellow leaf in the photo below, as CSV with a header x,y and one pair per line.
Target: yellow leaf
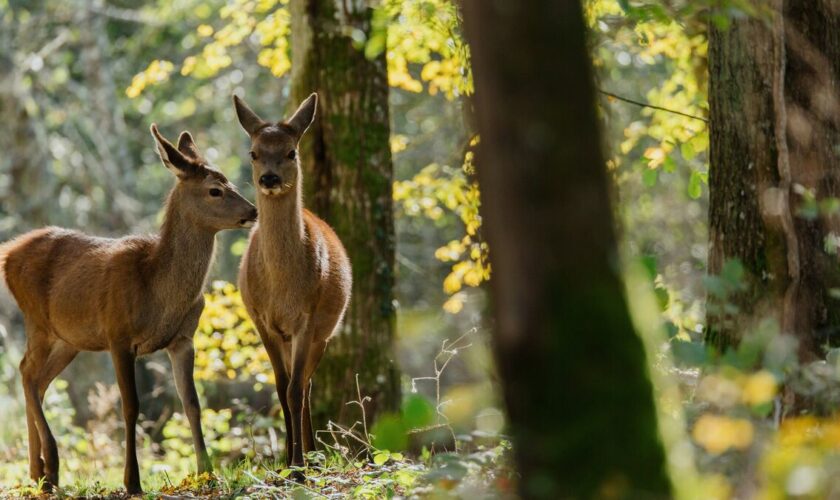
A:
x,y
205,30
452,283
454,304
759,388
717,434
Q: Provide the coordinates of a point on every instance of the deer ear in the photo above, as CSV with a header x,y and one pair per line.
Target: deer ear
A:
x,y
172,159
247,118
305,114
186,145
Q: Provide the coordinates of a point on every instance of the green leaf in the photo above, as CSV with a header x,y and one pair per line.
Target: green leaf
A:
x,y
829,206
417,412
763,410
733,273
695,183
669,165
700,143
687,151
649,177
375,44
689,353
285,473
381,457
390,433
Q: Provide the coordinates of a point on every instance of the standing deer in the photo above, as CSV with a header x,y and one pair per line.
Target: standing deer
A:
x,y
130,296
295,276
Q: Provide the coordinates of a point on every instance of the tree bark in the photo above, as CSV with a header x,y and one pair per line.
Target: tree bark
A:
x,y
774,130
347,163
573,370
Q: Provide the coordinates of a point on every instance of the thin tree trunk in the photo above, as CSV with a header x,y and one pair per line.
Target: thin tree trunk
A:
x,y
573,370
773,96
349,176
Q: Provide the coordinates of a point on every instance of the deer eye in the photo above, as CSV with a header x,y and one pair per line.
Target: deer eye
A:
x,y
253,155
291,154
215,192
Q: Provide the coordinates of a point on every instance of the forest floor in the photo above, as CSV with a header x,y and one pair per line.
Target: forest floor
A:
x,y
483,473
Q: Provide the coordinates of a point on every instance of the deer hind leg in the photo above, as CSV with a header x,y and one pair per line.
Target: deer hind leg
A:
x,y
316,352
36,463
38,364
61,355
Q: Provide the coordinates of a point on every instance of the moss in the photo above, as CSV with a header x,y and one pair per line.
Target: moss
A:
x,y
348,170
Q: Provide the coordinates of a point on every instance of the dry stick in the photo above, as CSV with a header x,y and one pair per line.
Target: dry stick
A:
x,y
652,106
452,351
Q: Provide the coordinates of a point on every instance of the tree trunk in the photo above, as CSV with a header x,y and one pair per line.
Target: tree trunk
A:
x,y
573,370
774,130
347,164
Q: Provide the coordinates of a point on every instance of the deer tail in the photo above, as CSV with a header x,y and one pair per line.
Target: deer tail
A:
x,y
5,248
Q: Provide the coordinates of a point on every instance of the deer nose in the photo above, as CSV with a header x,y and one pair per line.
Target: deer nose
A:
x,y
269,180
253,214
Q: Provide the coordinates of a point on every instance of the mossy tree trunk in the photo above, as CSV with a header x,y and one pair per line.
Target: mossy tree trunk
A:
x,y
573,370
349,176
774,132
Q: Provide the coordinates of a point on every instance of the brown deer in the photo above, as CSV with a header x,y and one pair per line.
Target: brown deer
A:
x,y
295,276
130,296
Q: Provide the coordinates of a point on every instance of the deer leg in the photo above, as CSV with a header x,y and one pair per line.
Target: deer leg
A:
x,y
30,392
301,345
36,463
124,365
41,440
275,349
182,357
60,355
316,352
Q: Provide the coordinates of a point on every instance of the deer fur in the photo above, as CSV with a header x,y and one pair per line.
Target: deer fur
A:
x,y
130,296
295,276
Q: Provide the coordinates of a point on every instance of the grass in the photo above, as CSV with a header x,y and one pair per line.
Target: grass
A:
x,y
482,473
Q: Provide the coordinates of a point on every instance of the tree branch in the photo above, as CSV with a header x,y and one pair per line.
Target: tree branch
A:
x,y
652,106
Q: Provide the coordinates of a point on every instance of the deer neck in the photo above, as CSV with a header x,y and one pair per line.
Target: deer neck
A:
x,y
281,228
182,258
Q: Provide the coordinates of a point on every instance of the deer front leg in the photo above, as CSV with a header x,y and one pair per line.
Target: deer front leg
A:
x,y
182,356
124,365
276,348
298,381
281,378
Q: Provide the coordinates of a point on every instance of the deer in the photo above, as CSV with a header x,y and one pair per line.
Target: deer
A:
x,y
129,296
295,276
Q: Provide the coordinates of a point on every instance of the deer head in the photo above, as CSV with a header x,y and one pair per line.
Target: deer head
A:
x,y
203,194
276,169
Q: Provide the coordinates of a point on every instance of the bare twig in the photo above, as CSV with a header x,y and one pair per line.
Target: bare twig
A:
x,y
651,106
447,352
361,402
